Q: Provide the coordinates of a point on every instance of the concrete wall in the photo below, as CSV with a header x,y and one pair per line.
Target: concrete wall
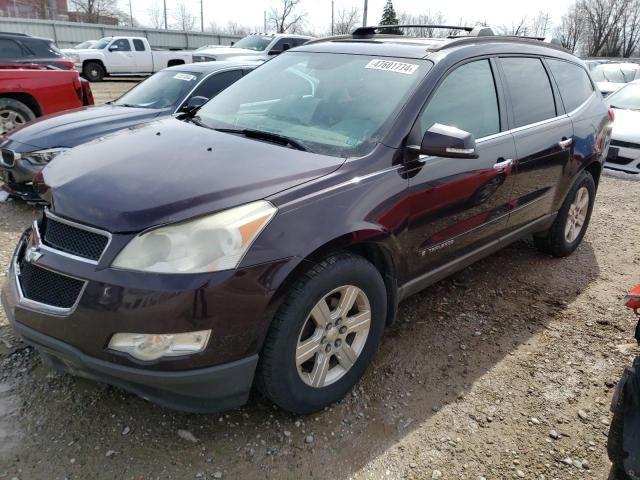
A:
x,y
68,34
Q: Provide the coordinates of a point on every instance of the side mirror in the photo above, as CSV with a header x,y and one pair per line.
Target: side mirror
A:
x,y
286,46
193,105
113,48
445,141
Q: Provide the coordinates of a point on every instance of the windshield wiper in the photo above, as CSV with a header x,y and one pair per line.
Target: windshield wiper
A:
x,y
268,136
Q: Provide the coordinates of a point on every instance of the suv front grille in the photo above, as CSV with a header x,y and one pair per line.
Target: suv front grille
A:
x,y
73,240
47,287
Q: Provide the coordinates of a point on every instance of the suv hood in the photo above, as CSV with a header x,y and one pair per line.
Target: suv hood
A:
x,y
625,127
168,171
228,51
63,129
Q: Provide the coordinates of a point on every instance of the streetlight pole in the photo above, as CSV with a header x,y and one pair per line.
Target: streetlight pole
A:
x,y
166,26
364,15
130,14
332,18
202,15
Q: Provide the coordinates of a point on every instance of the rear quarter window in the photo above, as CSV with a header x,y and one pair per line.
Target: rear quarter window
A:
x,y
573,82
529,89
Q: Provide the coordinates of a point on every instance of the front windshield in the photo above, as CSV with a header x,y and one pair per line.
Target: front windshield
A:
x,y
335,104
254,42
162,90
86,44
102,43
614,73
627,98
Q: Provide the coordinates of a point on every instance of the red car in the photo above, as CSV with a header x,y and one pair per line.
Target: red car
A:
x,y
30,91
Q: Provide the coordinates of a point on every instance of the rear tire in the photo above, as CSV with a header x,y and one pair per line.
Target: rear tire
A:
x,y
572,221
13,114
93,71
324,335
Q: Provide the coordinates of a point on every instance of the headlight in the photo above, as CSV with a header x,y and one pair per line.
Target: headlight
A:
x,y
207,244
147,346
42,157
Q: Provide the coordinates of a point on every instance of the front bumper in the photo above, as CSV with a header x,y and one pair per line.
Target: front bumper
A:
x,y
624,157
199,391
233,304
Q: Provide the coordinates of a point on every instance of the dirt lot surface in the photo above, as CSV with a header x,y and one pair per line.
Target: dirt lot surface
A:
x,y
107,91
503,371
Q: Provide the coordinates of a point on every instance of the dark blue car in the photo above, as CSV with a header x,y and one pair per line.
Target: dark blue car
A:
x,y
173,90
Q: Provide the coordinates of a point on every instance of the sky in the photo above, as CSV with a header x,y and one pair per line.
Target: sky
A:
x,y
251,12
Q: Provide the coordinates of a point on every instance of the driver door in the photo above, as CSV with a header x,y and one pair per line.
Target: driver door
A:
x,y
457,205
120,56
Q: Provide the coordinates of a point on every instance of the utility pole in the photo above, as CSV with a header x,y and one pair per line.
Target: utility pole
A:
x,y
201,16
332,18
130,14
166,26
265,21
364,15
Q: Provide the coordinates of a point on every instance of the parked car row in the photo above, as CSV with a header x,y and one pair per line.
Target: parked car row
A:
x,y
266,238
624,153
172,91
33,90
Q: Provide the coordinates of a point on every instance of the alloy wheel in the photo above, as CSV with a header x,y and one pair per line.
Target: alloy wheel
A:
x,y
577,215
10,119
333,336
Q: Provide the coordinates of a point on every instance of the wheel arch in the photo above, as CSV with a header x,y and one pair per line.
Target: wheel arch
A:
x,y
364,243
174,62
26,98
595,169
95,60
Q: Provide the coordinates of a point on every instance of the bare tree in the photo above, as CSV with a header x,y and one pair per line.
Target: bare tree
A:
x,y
519,28
287,18
346,21
156,15
571,29
184,19
234,28
92,10
541,24
427,18
601,20
630,29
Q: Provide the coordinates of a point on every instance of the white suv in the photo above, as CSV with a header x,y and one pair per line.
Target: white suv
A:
x,y
254,47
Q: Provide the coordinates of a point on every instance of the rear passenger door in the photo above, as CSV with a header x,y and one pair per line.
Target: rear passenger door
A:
x,y
543,136
457,205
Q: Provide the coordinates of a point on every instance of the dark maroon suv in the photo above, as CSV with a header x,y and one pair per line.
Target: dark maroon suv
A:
x,y
267,239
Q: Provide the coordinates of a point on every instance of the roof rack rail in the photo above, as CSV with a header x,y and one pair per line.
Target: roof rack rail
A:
x,y
370,31
15,33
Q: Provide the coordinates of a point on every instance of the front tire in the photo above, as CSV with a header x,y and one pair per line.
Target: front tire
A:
x,y
13,114
93,71
572,221
324,335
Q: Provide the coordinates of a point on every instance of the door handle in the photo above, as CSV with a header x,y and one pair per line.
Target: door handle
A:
x,y
502,165
565,143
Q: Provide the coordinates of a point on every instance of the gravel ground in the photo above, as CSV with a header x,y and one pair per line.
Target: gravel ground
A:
x,y
112,89
503,371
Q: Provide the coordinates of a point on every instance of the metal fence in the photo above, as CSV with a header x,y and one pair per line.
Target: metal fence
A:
x,y
68,34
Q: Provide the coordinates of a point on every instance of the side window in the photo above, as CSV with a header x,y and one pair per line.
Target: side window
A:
x,y
121,45
530,90
296,42
467,100
280,43
216,83
138,45
10,49
573,82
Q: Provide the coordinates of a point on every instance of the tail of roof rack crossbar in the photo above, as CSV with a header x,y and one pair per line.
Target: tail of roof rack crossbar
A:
x,y
370,32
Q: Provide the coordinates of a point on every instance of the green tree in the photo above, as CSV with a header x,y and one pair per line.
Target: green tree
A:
x,y
389,17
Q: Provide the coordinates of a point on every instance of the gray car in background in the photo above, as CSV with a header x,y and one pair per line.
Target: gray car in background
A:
x,y
171,91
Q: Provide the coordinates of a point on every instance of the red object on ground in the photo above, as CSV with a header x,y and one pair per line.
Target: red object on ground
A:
x,y
632,300
43,89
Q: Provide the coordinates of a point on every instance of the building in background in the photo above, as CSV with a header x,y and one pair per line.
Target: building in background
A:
x,y
51,10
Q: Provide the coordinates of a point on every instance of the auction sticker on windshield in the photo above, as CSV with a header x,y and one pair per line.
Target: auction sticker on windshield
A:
x,y
389,66
184,76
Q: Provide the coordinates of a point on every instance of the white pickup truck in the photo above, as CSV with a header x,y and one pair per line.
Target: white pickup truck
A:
x,y
125,56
